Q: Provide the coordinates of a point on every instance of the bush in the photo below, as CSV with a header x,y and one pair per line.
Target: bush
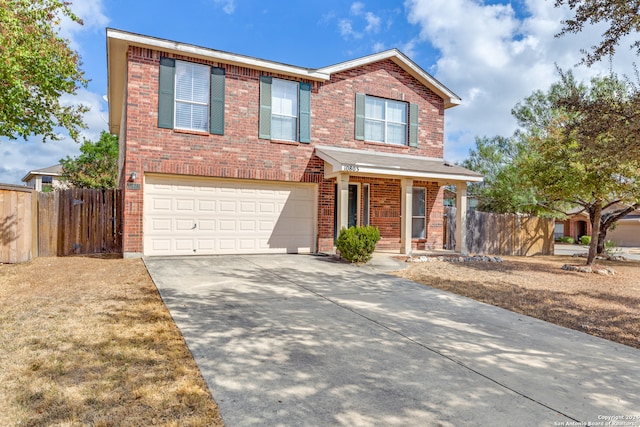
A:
x,y
610,248
356,244
566,239
585,240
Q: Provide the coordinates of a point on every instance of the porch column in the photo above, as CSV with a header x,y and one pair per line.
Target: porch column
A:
x,y
406,212
461,217
342,202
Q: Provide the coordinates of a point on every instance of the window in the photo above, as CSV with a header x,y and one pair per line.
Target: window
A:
x,y
386,121
47,183
285,110
419,222
191,96
365,204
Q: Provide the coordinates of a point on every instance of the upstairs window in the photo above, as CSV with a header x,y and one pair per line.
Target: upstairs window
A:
x,y
386,121
285,110
191,96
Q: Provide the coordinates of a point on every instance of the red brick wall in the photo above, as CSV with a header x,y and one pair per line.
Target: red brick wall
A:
x,y
239,153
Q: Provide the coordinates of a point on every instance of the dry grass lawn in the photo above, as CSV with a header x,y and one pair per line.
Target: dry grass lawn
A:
x,y
87,341
605,306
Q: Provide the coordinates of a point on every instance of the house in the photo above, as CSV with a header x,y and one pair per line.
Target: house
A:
x,y
626,231
222,153
45,179
450,200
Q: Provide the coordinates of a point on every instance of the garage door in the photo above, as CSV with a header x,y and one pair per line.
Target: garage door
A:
x,y
211,216
626,233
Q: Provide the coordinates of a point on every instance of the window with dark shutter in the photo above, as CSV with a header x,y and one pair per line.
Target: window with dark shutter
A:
x,y
191,96
285,110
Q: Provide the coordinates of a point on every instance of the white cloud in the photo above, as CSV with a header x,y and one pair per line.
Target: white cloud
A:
x,y
378,47
493,59
357,8
92,14
346,29
373,23
228,6
369,23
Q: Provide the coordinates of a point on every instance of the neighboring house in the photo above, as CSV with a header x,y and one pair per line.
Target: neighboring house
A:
x,y
45,179
228,154
626,232
450,200
575,225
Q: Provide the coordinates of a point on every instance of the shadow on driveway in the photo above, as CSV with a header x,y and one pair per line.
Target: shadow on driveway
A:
x,y
302,340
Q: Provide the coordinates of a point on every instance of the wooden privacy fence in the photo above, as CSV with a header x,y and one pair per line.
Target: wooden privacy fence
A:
x,y
59,223
17,236
502,234
79,221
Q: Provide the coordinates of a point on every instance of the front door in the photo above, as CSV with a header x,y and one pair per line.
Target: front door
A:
x,y
352,209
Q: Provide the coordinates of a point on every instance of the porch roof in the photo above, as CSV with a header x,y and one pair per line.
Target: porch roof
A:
x,y
372,163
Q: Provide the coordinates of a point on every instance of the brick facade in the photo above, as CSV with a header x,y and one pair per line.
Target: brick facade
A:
x,y
239,153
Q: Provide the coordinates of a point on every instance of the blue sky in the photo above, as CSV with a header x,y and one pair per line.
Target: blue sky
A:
x,y
491,53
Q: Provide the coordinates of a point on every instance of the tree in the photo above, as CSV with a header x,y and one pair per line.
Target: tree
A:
x,y
502,190
572,152
622,16
96,166
37,67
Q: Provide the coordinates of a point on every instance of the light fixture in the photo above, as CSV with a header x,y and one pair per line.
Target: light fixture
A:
x,y
133,176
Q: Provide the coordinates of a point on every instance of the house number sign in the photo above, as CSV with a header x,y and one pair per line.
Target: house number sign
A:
x,y
350,168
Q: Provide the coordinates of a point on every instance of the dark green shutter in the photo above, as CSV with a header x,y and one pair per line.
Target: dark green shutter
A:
x,y
216,121
265,108
413,125
305,112
166,92
360,101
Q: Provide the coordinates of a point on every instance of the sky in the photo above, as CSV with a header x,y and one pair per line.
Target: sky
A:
x,y
491,53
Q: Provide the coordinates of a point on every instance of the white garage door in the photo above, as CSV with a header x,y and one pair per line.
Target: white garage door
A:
x,y
212,216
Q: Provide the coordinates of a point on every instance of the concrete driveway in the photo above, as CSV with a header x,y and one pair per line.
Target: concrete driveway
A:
x,y
302,340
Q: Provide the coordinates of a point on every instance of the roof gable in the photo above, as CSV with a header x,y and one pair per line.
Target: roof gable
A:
x,y
400,59
55,170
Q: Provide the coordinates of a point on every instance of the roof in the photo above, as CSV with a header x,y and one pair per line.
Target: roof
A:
x,y
363,162
55,170
118,42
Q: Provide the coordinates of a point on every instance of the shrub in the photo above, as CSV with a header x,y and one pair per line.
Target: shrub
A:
x,y
585,240
356,244
565,239
610,248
